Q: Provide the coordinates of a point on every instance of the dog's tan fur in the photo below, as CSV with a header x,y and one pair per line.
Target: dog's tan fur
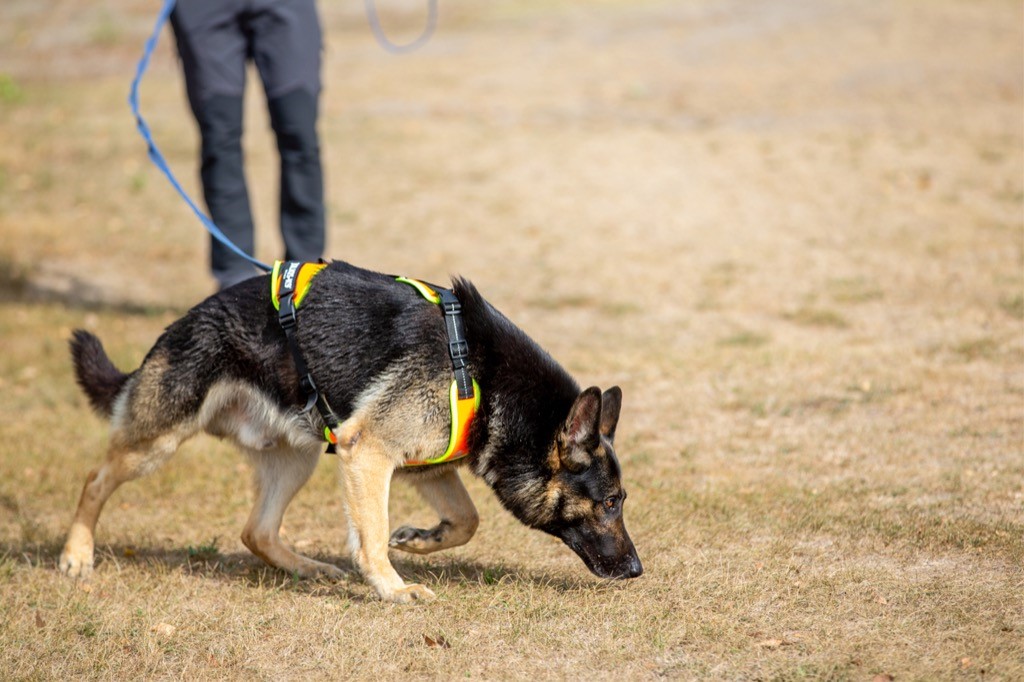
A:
x,y
284,455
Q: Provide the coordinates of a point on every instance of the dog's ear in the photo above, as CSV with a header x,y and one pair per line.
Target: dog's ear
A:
x,y
611,403
580,433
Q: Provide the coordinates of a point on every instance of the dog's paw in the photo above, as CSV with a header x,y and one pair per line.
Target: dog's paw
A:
x,y
75,563
418,540
409,594
318,569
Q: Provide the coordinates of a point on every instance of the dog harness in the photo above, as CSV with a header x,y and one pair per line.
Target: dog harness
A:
x,y
464,393
289,284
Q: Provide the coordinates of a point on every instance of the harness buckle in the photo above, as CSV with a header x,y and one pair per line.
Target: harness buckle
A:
x,y
458,349
287,316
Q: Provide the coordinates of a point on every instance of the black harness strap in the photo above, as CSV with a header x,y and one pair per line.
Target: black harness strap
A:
x,y
288,319
458,349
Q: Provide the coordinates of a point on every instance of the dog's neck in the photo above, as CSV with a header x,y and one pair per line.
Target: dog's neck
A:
x,y
526,400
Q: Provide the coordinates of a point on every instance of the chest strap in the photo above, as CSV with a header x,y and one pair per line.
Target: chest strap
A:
x,y
289,284
464,393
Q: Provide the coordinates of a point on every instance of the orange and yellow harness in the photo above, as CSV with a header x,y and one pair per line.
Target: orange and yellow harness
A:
x,y
289,284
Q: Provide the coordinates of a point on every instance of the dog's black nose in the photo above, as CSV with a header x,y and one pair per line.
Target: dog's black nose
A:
x,y
635,569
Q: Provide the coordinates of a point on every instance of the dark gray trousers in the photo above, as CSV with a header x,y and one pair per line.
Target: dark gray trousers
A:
x,y
216,39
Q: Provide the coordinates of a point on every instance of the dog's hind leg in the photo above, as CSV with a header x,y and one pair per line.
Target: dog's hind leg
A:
x,y
279,475
459,520
125,461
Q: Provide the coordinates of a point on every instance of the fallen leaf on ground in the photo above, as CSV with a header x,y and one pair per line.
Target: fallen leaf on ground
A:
x,y
440,642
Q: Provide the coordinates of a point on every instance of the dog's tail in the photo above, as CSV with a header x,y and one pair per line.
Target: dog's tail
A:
x,y
95,373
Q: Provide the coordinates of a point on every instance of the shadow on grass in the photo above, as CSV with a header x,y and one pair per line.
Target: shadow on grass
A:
x,y
441,571
70,291
246,569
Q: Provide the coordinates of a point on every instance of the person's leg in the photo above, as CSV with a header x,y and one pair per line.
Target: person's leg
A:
x,y
293,117
214,50
286,48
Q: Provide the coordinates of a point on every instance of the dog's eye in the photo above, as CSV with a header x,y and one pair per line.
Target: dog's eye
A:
x,y
611,503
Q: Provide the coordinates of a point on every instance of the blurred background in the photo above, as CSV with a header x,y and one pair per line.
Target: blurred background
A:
x,y
792,231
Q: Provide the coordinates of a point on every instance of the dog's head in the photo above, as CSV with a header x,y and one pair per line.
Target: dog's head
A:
x,y
585,494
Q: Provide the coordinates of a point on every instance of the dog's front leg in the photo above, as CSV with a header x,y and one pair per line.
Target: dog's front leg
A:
x,y
366,473
459,520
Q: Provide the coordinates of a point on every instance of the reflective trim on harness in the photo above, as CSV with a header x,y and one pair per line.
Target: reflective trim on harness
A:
x,y
463,412
424,289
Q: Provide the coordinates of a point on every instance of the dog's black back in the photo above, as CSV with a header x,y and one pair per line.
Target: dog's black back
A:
x,y
353,325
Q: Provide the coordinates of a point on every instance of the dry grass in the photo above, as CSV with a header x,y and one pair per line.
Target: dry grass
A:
x,y
794,234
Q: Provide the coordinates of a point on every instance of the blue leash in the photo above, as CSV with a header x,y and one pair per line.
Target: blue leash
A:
x,y
158,158
154,152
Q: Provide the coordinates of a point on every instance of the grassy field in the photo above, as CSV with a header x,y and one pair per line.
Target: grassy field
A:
x,y
792,232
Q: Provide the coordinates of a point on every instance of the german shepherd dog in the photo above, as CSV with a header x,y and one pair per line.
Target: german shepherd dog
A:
x,y
379,352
